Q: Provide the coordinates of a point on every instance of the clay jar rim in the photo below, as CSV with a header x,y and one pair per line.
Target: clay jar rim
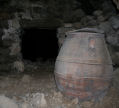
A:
x,y
85,30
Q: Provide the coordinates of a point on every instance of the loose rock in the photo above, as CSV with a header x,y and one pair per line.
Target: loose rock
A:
x,y
38,101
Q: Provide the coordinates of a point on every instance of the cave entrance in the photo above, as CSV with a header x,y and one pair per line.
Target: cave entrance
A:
x,y
39,44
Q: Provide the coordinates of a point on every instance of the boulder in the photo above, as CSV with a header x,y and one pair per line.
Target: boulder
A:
x,y
6,102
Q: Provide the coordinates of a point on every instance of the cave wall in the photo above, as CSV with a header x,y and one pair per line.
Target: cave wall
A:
x,y
63,15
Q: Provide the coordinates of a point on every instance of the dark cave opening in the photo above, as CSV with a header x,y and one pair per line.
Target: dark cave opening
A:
x,y
39,44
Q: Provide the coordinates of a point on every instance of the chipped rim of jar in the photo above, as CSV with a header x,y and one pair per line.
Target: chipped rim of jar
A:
x,y
85,30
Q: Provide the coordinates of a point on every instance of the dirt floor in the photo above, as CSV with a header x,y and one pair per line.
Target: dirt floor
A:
x,y
38,79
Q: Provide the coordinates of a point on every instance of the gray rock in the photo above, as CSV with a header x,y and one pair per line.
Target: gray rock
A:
x,y
15,49
92,23
108,8
38,100
106,27
78,14
77,25
113,39
88,21
97,13
65,28
100,18
7,43
114,20
18,66
14,22
115,58
6,102
114,52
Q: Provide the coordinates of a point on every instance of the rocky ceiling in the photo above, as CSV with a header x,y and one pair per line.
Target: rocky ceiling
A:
x,y
63,10
117,3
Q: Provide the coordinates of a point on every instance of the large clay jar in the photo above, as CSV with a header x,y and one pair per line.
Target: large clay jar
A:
x,y
83,67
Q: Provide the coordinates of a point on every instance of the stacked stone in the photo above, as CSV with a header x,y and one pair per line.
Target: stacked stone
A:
x,y
61,33
10,49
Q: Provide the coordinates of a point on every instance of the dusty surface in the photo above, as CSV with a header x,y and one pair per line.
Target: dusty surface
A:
x,y
37,83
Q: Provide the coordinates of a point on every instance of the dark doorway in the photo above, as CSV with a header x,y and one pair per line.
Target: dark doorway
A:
x,y
39,44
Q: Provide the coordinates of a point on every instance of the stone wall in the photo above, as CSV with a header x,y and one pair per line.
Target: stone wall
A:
x,y
62,15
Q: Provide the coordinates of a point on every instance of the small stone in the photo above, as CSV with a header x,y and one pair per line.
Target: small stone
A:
x,y
75,101
43,102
